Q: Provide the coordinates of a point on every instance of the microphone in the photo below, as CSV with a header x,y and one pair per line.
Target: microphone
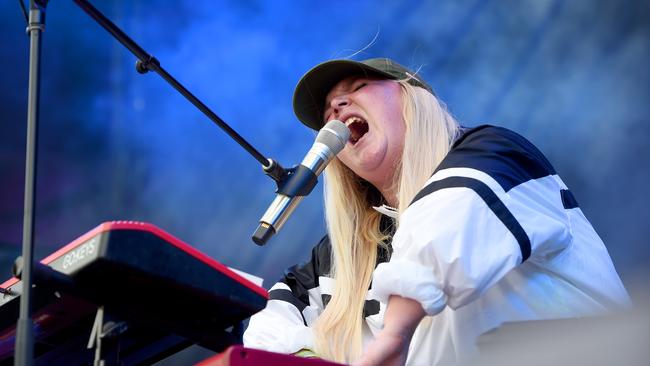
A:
x,y
301,180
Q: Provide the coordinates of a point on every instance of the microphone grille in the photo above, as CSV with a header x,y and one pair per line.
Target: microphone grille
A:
x,y
335,135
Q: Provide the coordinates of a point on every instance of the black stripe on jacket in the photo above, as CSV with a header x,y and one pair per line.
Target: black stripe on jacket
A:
x,y
303,277
490,199
504,155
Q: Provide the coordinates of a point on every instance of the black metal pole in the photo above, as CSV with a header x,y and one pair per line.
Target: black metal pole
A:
x,y
146,62
24,350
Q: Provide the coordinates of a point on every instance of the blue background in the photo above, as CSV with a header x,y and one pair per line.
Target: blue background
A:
x,y
572,76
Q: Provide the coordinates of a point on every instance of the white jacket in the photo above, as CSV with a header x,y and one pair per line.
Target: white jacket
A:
x,y
494,236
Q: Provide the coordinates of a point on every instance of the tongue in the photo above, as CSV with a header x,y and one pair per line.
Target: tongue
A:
x,y
357,130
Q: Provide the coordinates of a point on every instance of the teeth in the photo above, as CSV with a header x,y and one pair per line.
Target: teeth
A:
x,y
352,120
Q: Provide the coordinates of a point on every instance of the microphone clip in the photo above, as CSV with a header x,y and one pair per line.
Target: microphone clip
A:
x,y
293,184
295,181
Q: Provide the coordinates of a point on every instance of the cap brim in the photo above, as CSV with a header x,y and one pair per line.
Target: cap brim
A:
x,y
311,91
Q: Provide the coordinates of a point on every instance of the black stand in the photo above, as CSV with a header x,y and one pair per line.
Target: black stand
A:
x,y
24,350
25,327
113,340
104,338
147,62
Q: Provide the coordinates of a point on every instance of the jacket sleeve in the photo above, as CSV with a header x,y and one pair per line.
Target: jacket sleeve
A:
x,y
494,203
295,302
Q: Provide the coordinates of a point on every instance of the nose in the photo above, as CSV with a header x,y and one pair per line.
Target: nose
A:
x,y
338,103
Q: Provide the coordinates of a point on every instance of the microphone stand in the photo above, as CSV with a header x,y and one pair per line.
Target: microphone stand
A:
x,y
24,348
147,62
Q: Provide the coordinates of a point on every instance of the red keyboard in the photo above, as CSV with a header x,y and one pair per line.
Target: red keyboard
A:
x,y
142,275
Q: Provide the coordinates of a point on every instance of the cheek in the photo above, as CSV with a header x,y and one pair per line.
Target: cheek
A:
x,y
399,130
392,110
395,128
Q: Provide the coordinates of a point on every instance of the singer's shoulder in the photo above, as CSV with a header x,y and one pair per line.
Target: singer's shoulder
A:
x,y
505,155
321,255
305,276
491,138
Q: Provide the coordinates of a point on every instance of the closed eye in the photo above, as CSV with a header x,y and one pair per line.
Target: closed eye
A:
x,y
359,86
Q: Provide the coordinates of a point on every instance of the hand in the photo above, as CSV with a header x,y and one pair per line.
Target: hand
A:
x,y
391,346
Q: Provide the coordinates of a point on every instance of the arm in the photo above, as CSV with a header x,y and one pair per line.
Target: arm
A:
x,y
278,328
294,304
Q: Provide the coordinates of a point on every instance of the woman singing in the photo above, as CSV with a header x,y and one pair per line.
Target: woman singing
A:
x,y
435,233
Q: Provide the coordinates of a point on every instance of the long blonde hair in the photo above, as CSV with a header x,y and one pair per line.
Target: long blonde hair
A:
x,y
353,225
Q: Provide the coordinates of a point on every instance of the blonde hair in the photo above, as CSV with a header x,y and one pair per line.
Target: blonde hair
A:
x,y
354,226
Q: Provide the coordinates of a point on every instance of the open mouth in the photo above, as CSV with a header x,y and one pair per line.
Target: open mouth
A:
x,y
358,127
